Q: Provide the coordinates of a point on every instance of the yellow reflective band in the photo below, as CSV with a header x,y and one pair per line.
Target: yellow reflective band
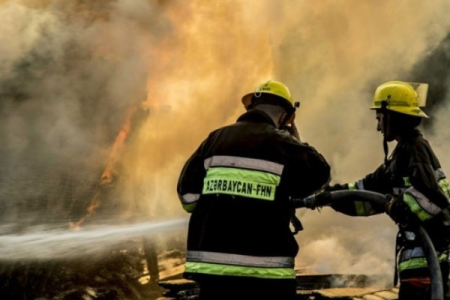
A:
x,y
189,207
360,208
406,181
445,187
413,263
415,207
247,183
229,270
352,186
419,262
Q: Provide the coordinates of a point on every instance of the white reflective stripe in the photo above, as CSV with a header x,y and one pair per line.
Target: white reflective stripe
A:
x,y
240,260
410,236
189,198
439,174
412,253
416,252
207,163
360,184
245,163
398,190
424,202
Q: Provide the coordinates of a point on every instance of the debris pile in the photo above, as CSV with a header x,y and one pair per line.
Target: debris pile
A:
x,y
122,274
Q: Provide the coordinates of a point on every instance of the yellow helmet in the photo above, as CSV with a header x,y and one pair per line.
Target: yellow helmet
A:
x,y
271,87
400,97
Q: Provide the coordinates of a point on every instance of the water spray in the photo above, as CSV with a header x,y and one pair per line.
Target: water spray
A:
x,y
51,244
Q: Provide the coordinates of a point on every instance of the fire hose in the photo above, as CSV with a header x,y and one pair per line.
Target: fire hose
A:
x,y
437,292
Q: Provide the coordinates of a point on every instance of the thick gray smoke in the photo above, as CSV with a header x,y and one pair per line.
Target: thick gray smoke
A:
x,y
70,71
67,76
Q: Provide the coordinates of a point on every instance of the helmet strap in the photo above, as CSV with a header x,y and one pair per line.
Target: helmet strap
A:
x,y
385,127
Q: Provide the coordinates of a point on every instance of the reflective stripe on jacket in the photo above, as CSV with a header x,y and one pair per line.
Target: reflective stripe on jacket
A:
x,y
240,265
238,185
414,259
414,176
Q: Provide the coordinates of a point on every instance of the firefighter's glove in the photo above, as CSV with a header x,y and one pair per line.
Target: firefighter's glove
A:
x,y
390,207
310,202
400,213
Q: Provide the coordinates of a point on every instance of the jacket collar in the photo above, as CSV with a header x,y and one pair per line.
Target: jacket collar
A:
x,y
410,135
257,116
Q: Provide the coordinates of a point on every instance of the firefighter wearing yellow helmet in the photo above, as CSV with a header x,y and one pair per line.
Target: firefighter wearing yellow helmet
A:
x,y
275,93
417,189
281,94
400,97
238,185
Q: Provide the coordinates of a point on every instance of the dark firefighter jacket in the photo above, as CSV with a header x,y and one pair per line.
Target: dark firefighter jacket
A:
x,y
413,175
237,185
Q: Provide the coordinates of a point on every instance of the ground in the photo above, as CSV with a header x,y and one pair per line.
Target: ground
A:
x,y
119,275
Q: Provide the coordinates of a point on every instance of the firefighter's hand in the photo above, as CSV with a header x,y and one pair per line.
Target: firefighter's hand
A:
x,y
400,213
390,207
292,128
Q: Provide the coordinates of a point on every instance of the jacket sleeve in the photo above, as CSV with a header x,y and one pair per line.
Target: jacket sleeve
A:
x,y
309,172
427,194
190,181
375,182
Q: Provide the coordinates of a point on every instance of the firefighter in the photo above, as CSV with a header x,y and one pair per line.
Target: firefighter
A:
x,y
416,185
237,186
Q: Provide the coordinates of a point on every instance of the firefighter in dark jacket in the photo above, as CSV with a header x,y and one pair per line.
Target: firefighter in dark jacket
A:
x,y
416,185
238,185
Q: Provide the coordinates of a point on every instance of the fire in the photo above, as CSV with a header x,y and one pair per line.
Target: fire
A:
x,y
110,171
95,203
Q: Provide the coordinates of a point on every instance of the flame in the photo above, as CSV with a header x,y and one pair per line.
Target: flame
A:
x,y
110,171
94,204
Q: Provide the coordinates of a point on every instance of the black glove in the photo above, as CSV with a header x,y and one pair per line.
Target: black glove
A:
x,y
399,212
310,201
390,207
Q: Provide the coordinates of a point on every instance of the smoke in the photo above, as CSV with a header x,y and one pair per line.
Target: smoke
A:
x,y
70,71
433,69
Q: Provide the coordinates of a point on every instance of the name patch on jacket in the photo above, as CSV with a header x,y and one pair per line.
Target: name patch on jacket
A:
x,y
241,182
239,188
